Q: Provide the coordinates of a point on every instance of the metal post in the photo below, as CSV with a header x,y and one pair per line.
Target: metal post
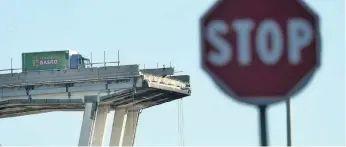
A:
x,y
288,119
11,67
104,58
91,59
157,65
118,58
263,125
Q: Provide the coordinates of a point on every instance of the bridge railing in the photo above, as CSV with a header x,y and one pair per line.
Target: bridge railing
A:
x,y
88,65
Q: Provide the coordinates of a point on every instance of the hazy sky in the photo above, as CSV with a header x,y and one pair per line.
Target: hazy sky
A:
x,y
151,31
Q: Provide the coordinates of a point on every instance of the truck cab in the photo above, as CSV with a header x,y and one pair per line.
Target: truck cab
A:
x,y
78,61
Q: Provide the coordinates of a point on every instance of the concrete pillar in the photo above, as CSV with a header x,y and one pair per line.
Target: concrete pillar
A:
x,y
117,127
124,128
130,128
91,104
100,125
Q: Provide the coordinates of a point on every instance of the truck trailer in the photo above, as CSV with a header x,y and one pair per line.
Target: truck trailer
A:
x,y
53,60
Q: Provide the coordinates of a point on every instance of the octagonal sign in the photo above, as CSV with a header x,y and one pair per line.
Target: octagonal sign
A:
x,y
260,52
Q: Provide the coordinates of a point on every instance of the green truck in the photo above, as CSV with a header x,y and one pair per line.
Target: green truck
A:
x,y
53,60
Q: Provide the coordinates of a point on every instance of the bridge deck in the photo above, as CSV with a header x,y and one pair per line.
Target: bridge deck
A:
x,y
148,90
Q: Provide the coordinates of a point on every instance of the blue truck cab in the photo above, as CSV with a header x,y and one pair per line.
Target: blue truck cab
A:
x,y
78,61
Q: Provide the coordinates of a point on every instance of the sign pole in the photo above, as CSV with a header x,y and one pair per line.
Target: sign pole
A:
x,y
263,125
288,119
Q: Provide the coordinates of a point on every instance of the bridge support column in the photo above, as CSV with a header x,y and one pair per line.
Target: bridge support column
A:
x,y
91,104
100,125
117,127
130,128
124,128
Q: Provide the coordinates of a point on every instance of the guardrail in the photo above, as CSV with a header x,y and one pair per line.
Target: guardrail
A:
x,y
87,65
57,69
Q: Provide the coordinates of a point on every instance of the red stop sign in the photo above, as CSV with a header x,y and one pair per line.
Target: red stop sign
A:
x,y
260,51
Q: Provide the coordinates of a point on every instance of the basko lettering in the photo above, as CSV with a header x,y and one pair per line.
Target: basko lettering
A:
x,y
48,62
45,62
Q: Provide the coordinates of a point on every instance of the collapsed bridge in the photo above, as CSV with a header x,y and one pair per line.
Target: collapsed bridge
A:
x,y
96,91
